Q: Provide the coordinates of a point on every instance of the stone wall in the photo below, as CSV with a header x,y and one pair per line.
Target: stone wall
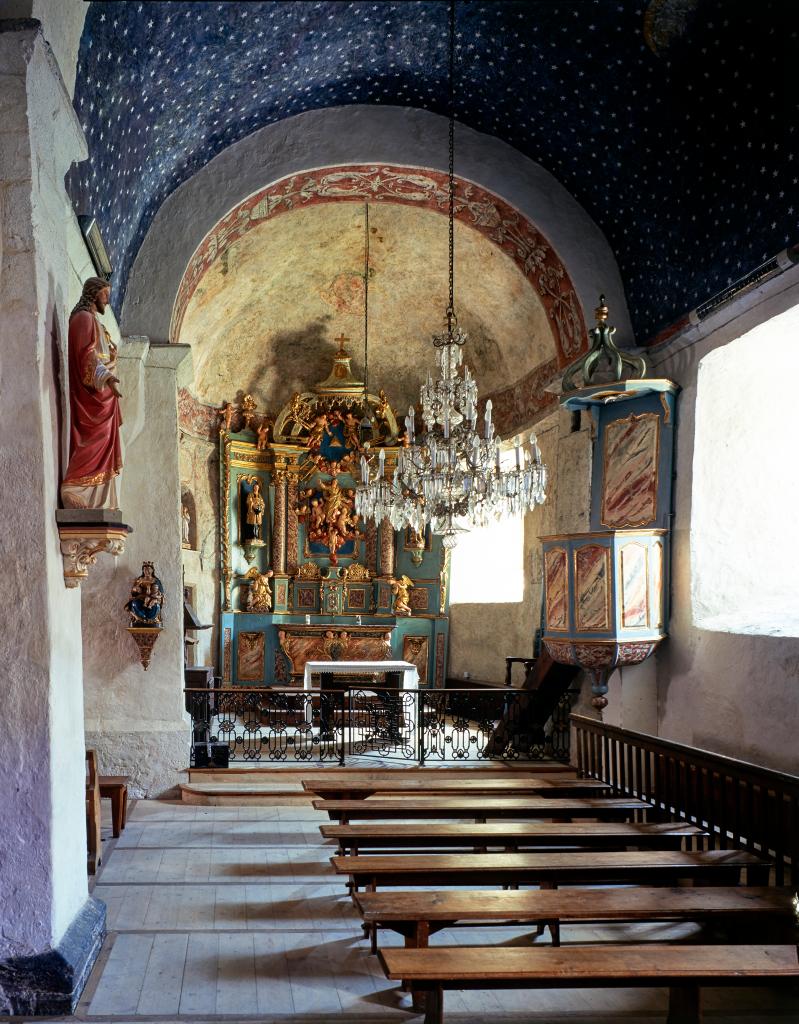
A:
x,y
135,719
42,829
731,693
199,479
482,635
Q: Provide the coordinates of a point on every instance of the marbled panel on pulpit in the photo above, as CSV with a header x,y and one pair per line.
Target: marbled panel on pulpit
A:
x,y
592,587
630,479
656,573
555,570
634,586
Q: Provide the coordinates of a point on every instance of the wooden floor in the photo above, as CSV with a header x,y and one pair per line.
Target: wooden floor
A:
x,y
233,913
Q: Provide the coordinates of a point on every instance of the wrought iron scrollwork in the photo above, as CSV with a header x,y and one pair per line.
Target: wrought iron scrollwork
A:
x,y
271,724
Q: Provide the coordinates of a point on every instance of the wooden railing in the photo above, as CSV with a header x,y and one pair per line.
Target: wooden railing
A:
x,y
739,804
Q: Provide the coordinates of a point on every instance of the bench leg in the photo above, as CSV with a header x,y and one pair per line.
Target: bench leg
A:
x,y
116,813
434,1005
684,1005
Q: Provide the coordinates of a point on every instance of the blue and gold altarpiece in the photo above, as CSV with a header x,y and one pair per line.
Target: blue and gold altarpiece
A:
x,y
302,578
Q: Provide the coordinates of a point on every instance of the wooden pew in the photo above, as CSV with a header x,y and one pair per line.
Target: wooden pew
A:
x,y
402,837
681,968
418,915
94,842
481,808
719,867
360,789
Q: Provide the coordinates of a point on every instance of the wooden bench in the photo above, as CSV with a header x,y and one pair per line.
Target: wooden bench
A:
x,y
681,968
404,837
719,867
480,809
94,843
360,789
115,788
418,915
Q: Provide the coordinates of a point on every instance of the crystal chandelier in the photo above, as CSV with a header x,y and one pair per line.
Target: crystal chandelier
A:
x,y
450,476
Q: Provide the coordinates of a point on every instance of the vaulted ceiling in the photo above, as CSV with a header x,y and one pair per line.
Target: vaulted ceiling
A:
x,y
669,120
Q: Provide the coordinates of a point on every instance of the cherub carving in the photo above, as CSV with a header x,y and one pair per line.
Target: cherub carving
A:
x,y
264,428
225,416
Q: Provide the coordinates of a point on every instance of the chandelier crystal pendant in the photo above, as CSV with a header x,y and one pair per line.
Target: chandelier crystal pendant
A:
x,y
451,476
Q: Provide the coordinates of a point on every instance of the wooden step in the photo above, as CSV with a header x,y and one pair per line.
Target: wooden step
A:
x,y
255,794
293,772
272,785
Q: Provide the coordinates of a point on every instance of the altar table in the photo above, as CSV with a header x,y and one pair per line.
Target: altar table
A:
x,y
410,674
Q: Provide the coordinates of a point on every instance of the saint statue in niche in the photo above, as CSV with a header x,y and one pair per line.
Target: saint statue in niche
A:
x,y
256,506
146,598
95,454
185,517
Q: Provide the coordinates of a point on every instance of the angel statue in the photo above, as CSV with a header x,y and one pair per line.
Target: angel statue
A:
x,y
259,596
400,588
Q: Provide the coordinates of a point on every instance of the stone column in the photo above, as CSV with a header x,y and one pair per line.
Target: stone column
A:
x,y
138,722
50,930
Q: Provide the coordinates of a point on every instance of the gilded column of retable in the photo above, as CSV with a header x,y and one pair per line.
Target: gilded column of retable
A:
x,y
292,528
279,535
386,549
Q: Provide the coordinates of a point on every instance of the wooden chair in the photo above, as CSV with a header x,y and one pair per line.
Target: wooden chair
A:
x,y
94,842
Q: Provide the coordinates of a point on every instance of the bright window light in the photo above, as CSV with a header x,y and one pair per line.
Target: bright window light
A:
x,y
488,564
745,493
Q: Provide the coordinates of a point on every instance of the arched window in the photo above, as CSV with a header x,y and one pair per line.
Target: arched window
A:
x,y
745,489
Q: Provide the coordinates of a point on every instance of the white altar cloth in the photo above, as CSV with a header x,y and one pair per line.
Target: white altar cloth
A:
x,y
410,677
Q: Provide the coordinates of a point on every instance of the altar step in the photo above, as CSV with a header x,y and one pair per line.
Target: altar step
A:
x,y
274,786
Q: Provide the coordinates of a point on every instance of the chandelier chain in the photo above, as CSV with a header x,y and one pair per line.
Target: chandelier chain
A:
x,y
366,301
451,182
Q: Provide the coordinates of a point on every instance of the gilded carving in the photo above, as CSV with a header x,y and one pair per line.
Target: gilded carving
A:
x,y
328,512
259,596
292,528
309,571
401,588
226,654
441,646
333,644
250,663
224,542
357,573
80,546
415,650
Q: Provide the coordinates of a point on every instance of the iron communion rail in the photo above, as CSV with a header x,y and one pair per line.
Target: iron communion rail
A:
x,y
270,724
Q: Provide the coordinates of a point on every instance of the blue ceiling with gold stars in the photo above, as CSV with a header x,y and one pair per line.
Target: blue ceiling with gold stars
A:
x,y
671,121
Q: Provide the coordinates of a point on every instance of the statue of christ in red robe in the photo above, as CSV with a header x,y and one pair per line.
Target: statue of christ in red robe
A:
x,y
95,454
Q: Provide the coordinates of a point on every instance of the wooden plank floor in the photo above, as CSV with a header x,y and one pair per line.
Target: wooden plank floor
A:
x,y
233,913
